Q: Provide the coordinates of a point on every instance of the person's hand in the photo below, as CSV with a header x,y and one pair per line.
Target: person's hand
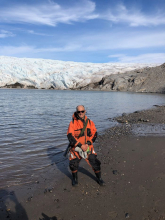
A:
x,y
84,147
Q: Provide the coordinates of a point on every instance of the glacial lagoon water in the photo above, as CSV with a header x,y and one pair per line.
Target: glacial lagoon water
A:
x,y
33,124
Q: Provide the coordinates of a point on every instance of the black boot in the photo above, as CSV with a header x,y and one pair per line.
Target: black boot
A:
x,y
74,179
99,179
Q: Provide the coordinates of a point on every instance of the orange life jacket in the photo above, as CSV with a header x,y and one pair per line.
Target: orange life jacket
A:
x,y
75,127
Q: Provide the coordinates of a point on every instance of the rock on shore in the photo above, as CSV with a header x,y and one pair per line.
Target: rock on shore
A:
x,y
141,80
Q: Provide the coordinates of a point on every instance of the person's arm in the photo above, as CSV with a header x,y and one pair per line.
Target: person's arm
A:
x,y
71,137
93,133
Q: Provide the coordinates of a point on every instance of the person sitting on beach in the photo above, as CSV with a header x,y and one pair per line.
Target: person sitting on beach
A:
x,y
82,134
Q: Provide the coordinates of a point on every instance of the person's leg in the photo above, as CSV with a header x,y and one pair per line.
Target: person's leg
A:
x,y
74,164
95,164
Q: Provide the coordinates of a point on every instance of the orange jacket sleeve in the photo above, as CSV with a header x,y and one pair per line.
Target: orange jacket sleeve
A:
x,y
71,137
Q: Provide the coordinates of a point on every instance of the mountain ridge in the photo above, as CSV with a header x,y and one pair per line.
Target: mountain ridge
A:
x,y
149,80
53,74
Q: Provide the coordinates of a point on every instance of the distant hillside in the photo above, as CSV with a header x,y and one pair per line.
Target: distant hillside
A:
x,y
141,80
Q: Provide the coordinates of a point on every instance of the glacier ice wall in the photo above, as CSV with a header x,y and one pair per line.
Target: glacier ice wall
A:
x,y
44,73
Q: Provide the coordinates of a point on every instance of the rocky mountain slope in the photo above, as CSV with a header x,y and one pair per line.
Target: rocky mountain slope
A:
x,y
141,80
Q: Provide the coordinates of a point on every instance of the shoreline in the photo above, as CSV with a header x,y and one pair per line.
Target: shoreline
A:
x,y
87,90
132,167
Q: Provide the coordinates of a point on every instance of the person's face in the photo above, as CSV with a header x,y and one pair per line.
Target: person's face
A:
x,y
81,111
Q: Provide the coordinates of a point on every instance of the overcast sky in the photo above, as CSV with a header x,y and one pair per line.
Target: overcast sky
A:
x,y
96,31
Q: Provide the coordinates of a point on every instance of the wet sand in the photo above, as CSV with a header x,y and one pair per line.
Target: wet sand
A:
x,y
132,166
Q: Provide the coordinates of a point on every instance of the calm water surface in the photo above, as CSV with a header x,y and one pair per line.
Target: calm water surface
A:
x,y
33,124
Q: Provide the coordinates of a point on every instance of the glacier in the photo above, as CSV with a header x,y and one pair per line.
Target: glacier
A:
x,y
46,74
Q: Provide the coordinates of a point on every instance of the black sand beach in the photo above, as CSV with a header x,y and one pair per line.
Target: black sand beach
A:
x,y
133,161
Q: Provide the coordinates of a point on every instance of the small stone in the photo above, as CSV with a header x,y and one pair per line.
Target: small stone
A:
x,y
50,190
45,191
29,199
112,214
120,121
115,172
126,215
146,120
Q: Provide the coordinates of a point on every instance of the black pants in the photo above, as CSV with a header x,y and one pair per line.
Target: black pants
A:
x,y
92,161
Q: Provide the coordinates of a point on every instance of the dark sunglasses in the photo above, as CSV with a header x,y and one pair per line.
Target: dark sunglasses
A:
x,y
80,112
